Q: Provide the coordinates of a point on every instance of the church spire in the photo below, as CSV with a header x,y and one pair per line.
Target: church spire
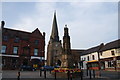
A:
x,y
54,34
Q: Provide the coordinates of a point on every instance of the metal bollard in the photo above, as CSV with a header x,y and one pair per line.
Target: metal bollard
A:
x,y
93,73
55,74
40,72
90,74
45,74
81,76
87,72
68,74
50,71
18,75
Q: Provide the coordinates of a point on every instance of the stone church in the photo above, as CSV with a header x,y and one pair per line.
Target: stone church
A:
x,y
57,53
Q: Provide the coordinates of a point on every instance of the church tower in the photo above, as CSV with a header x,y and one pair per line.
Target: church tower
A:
x,y
54,48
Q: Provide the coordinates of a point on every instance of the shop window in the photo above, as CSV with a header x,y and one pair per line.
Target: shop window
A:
x,y
3,50
35,52
15,50
110,64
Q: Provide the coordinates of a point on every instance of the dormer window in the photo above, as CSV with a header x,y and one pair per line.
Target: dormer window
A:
x,y
17,39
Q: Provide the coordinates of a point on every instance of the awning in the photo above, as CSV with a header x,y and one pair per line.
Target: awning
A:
x,y
34,57
93,61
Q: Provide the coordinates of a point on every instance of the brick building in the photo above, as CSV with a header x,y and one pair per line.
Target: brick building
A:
x,y
22,48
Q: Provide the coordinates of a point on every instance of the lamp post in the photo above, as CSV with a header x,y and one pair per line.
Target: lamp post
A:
x,y
41,58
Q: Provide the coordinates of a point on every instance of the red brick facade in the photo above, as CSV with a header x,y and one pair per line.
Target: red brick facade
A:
x,y
22,48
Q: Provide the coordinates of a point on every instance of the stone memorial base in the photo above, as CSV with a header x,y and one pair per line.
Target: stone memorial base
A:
x,y
65,72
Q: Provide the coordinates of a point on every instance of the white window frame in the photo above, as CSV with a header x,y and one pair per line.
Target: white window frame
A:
x,y
15,50
3,50
35,51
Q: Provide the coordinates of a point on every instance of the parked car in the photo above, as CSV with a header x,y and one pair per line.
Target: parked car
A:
x,y
27,68
49,68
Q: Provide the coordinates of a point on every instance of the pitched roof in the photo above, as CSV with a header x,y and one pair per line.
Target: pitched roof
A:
x,y
111,45
93,49
77,50
12,33
18,33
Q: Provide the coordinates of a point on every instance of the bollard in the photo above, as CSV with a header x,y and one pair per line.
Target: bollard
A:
x,y
18,75
45,74
81,76
90,74
93,73
50,71
55,74
87,72
40,72
68,74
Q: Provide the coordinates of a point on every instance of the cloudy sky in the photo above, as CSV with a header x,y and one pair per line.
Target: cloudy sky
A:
x,y
89,23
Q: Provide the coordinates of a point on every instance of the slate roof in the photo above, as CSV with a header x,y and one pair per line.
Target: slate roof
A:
x,y
111,45
12,33
93,49
77,51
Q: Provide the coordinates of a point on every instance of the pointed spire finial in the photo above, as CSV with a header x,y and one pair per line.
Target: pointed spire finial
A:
x,y
54,33
55,12
65,25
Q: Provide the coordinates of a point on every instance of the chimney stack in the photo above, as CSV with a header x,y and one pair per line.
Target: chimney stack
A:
x,y
2,24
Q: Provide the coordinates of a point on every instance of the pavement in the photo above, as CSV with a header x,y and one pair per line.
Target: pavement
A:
x,y
35,75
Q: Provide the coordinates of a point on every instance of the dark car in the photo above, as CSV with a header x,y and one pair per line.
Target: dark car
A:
x,y
27,68
48,68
